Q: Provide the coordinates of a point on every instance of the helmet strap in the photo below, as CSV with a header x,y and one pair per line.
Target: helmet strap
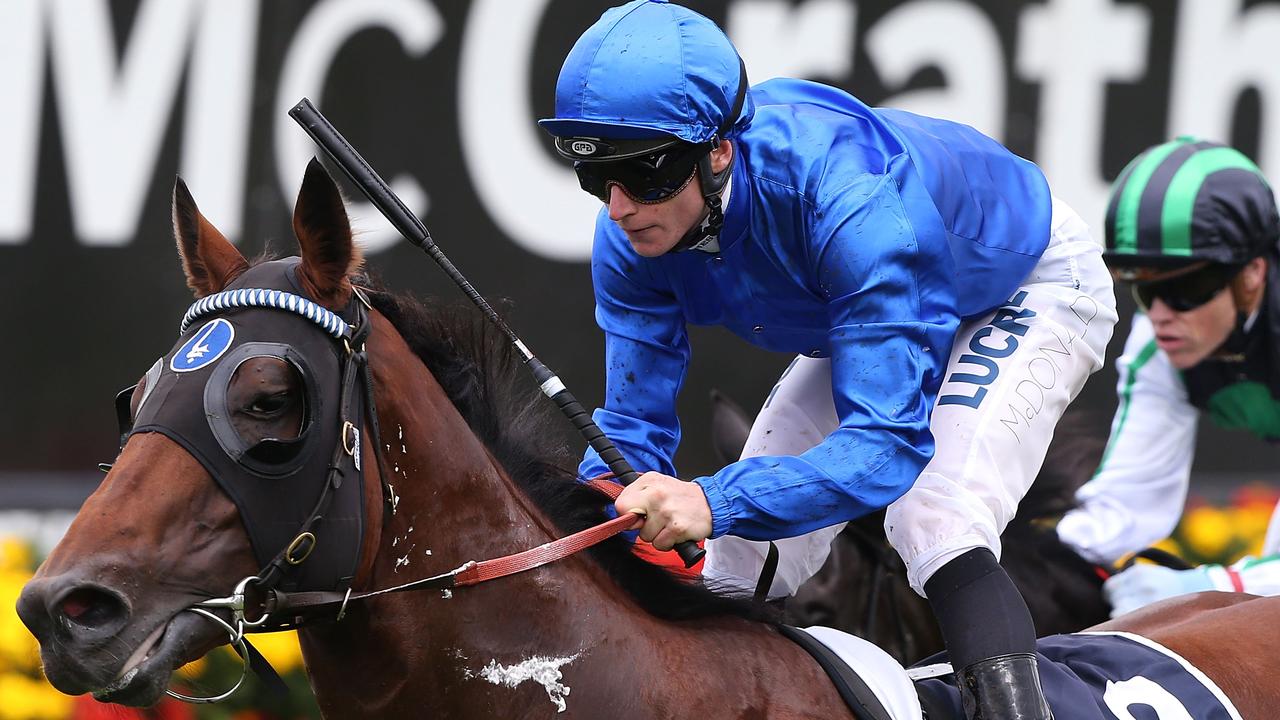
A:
x,y
707,231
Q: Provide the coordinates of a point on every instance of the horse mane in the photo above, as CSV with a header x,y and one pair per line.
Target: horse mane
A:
x,y
485,378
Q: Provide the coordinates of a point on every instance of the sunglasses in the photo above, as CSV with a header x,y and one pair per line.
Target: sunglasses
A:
x,y
1186,292
647,179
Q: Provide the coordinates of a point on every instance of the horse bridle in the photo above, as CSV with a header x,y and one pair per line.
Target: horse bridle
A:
x,y
295,548
273,608
294,557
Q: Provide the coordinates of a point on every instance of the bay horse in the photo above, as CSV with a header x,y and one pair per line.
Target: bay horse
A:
x,y
455,467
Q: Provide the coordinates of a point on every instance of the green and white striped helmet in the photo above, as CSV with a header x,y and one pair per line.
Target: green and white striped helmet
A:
x,y
1190,200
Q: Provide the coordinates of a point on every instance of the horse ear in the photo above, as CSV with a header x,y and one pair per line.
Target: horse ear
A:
x,y
210,261
329,255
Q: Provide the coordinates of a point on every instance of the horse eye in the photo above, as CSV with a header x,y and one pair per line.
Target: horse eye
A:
x,y
269,404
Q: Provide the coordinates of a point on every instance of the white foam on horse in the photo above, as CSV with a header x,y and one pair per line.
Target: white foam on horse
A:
x,y
402,561
544,671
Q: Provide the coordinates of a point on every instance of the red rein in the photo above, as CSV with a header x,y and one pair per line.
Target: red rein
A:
x,y
566,546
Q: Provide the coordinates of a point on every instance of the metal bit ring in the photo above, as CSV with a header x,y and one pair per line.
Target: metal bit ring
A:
x,y
237,643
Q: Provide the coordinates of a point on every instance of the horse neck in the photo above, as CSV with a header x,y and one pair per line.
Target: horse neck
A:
x,y
425,653
453,498
454,504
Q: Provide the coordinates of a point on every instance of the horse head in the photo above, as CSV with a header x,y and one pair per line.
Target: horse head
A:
x,y
182,516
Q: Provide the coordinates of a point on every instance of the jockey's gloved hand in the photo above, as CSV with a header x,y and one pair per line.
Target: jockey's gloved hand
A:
x,y
1144,584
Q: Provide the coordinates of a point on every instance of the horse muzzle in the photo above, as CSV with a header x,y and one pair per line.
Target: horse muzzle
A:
x,y
92,641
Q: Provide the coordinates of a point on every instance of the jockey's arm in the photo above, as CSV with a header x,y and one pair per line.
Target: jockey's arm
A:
x,y
889,336
1138,493
1142,585
646,357
1254,575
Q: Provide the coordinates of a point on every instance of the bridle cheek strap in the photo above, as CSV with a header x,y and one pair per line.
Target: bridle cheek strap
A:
x,y
346,459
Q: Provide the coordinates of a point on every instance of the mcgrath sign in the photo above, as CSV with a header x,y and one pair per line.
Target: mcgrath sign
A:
x,y
105,102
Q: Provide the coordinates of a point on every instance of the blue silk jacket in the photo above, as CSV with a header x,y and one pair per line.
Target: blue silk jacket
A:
x,y
863,235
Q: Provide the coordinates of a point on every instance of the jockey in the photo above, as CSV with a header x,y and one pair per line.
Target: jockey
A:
x,y
869,242
1192,225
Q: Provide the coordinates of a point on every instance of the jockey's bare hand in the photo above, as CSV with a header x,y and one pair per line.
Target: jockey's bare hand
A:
x,y
674,510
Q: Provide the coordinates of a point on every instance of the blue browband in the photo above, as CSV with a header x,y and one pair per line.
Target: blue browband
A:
x,y
278,299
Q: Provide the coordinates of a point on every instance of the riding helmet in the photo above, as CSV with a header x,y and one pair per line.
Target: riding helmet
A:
x,y
651,71
1186,201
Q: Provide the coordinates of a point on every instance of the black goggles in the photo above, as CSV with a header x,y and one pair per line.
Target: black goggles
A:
x,y
1186,292
646,179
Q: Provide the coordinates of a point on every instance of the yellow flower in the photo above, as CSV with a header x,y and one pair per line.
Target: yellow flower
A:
x,y
18,648
1208,531
26,698
1251,521
15,555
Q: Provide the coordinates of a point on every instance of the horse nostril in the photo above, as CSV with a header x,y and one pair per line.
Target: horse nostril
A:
x,y
90,607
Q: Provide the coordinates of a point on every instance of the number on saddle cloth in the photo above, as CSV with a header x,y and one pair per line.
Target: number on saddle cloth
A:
x,y
1106,676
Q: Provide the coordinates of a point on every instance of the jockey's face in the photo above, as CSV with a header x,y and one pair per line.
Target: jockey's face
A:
x,y
654,228
1190,336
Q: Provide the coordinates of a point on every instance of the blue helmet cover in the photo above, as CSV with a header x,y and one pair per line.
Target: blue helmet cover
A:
x,y
649,69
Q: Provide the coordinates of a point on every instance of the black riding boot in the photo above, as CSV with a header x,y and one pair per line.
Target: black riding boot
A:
x,y
1003,688
990,638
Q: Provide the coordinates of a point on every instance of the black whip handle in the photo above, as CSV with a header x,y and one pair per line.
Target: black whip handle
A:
x,y
388,203
402,218
689,551
361,173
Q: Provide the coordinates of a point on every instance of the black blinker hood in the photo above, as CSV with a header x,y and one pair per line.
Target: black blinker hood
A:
x,y
286,489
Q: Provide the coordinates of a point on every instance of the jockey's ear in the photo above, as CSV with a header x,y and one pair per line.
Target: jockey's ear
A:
x,y
329,255
210,261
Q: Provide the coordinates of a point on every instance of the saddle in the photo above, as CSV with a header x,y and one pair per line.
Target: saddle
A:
x,y
869,680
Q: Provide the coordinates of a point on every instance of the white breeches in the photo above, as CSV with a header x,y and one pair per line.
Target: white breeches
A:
x,y
1011,375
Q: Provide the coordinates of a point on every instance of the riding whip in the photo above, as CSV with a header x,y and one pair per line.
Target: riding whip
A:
x,y
389,204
